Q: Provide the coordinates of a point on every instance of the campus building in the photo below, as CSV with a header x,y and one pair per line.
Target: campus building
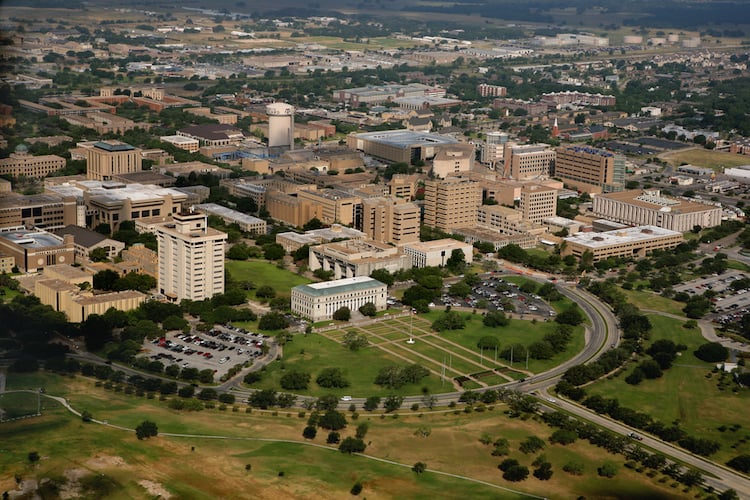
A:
x,y
292,241
390,220
528,161
451,203
191,257
86,241
351,258
590,170
650,207
453,160
246,222
35,250
537,202
399,145
336,205
318,301
105,159
22,163
634,242
437,252
43,211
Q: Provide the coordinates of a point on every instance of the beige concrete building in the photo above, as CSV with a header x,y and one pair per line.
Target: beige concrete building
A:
x,y
650,207
318,301
507,220
145,260
528,161
633,242
43,211
35,250
437,252
337,206
294,241
400,145
21,163
58,287
404,186
246,222
590,170
453,159
537,202
5,186
390,220
180,141
451,203
7,263
191,257
107,158
351,258
496,237
292,210
86,241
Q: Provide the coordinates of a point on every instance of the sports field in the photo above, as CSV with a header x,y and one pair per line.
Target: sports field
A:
x,y
700,157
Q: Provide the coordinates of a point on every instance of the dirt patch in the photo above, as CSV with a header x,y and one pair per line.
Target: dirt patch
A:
x,y
105,461
155,489
72,488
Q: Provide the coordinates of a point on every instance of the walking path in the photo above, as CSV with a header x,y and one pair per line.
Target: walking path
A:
x,y
66,405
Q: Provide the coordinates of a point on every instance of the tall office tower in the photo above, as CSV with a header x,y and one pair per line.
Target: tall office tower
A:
x,y
107,158
538,202
590,169
528,161
451,203
390,220
493,149
191,257
280,124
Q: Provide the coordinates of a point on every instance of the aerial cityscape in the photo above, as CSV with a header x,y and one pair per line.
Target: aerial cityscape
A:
x,y
376,249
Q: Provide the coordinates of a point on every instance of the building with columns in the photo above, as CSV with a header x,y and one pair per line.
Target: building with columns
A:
x,y
318,301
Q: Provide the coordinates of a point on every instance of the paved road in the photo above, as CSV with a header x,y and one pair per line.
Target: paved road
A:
x,y
724,477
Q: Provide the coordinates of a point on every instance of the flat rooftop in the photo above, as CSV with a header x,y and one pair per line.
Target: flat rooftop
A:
x,y
406,138
339,286
435,245
215,209
654,200
621,236
113,146
32,239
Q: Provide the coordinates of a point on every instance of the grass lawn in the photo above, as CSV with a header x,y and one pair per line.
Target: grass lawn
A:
x,y
313,353
649,300
262,272
686,393
705,158
218,469
7,294
518,331
740,266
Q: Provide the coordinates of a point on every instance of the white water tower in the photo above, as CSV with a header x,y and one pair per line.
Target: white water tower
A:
x,y
280,124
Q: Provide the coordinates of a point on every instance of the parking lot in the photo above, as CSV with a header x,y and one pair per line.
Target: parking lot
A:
x,y
499,294
218,349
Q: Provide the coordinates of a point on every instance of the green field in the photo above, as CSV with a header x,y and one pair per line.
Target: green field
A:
x,y
117,464
686,393
262,272
700,157
655,302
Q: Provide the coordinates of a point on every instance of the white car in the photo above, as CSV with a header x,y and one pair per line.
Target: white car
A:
x,y
346,398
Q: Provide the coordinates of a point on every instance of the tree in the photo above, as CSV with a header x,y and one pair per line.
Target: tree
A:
x,y
650,368
419,467
571,316
449,320
607,469
273,321
262,399
362,430
532,444
356,489
384,276
354,341
392,403
494,319
368,309
371,403
98,255
309,432
457,261
33,457
516,473
740,463
488,342
712,352
332,420
265,292
146,429
295,380
332,378
544,471
459,289
273,251
313,223
342,314
333,438
105,280
352,445
574,468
